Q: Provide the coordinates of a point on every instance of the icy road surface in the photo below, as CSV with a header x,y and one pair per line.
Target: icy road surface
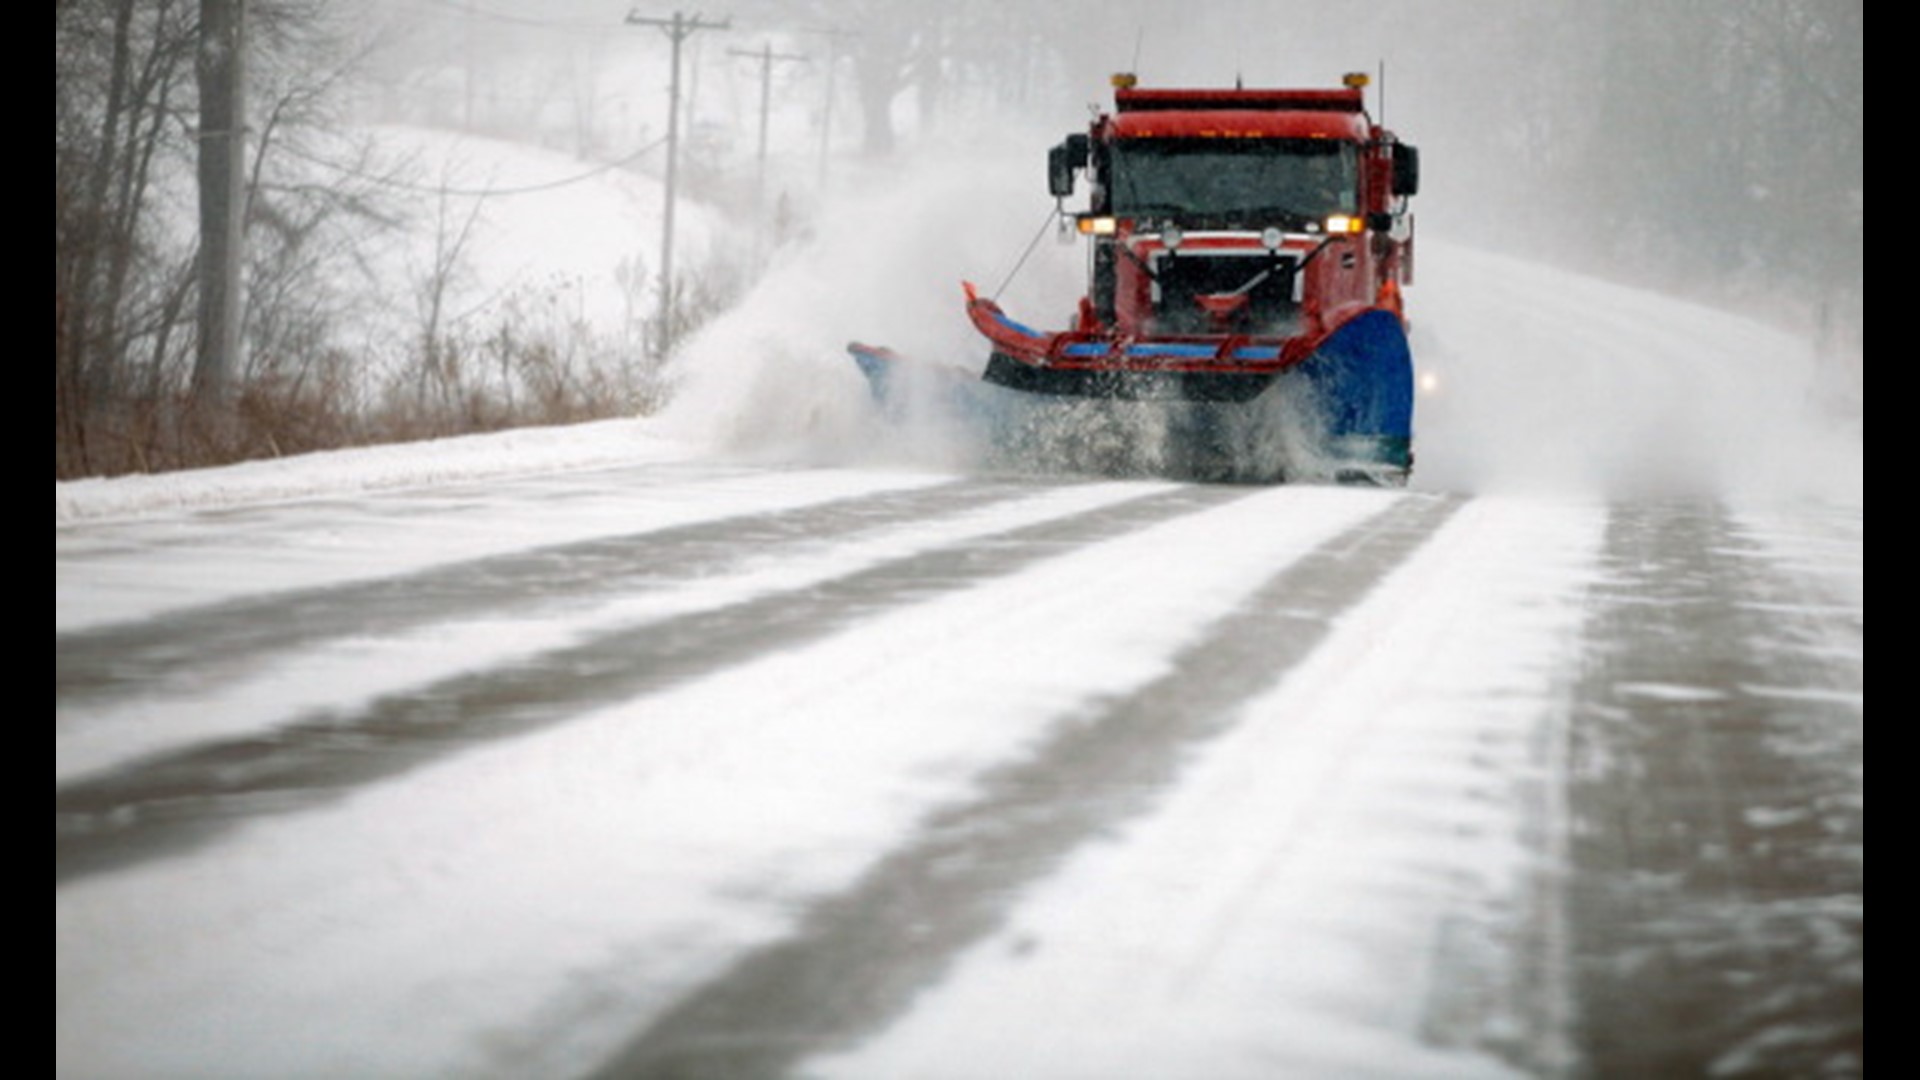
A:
x,y
656,762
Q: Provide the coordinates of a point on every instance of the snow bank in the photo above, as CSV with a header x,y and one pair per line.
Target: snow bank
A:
x,y
1545,381
375,468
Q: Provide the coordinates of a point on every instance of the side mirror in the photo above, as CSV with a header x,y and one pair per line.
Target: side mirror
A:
x,y
1062,160
1059,172
1406,169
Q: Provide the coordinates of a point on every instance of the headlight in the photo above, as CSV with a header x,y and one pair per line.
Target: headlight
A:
x,y
1271,237
1171,236
1096,226
1345,223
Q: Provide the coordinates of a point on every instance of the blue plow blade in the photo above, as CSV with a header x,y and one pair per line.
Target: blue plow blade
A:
x,y
1344,415
1362,381
907,391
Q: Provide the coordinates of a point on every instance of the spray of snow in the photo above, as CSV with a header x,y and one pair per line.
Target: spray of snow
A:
x,y
883,266
1534,380
1546,381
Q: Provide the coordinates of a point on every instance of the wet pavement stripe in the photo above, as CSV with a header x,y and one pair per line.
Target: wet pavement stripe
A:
x,y
96,667
1716,894
858,957
172,802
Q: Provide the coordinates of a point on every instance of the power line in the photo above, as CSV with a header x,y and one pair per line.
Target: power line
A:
x,y
466,8
483,193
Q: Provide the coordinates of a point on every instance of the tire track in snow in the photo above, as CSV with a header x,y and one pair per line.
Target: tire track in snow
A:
x,y
97,667
177,801
1717,891
858,956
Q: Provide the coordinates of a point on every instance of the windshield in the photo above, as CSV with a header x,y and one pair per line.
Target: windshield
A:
x,y
1211,177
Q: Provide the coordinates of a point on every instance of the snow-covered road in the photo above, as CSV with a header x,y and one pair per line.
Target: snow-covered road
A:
x,y
614,752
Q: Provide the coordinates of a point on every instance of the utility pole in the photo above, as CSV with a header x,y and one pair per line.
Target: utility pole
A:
x,y
466,97
833,36
220,67
678,29
766,56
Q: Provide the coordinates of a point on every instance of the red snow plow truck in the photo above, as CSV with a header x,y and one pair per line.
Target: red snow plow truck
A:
x,y
1247,249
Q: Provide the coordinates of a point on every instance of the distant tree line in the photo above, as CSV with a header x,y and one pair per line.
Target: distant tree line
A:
x,y
1713,148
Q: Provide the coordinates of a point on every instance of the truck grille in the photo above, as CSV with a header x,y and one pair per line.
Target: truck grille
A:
x,y
1272,307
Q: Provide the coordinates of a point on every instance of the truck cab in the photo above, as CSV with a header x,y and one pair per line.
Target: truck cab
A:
x,y
1260,213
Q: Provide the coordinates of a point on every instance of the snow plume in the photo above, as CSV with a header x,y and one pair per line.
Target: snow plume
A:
x,y
1541,380
883,265
1546,381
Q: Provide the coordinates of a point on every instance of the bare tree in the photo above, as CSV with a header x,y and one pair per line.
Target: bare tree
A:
x,y
119,65
127,282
